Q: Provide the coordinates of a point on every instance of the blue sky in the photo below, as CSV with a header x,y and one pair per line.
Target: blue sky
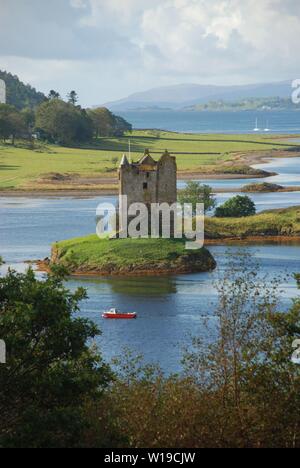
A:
x,y
107,49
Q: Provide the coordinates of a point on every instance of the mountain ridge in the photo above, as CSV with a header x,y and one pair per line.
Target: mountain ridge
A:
x,y
177,97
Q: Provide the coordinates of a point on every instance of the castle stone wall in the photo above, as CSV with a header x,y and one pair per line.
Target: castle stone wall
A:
x,y
167,180
149,181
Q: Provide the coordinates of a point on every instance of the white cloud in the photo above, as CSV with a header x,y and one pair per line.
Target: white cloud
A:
x,y
131,44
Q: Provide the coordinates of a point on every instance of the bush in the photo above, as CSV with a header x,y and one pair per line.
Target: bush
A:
x,y
197,193
236,207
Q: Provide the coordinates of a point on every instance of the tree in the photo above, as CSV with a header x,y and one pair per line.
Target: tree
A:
x,y
121,126
63,123
236,207
50,371
72,98
11,123
196,193
105,123
273,379
53,95
224,367
28,116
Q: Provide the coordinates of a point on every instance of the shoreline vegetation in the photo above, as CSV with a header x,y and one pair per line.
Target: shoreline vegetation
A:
x,y
90,256
90,170
277,225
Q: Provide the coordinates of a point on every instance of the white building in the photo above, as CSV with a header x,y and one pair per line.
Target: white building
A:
x,y
2,92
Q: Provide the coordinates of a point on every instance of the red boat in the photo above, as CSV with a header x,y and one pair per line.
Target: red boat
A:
x,y
115,314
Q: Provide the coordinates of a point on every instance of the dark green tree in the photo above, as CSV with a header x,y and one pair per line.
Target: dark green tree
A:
x,y
51,372
121,126
28,116
236,207
11,123
63,123
106,124
197,193
103,121
53,95
72,98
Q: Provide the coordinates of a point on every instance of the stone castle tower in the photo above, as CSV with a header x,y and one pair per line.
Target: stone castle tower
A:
x,y
149,181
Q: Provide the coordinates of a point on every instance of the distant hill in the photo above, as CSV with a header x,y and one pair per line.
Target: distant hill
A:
x,y
18,94
252,104
186,95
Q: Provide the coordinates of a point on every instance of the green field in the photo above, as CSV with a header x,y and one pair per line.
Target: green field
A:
x,y
21,168
122,256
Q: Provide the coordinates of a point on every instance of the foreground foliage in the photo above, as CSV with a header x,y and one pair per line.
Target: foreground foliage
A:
x,y
240,387
50,370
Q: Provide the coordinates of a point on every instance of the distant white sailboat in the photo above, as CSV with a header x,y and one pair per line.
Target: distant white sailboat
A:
x,y
267,127
256,129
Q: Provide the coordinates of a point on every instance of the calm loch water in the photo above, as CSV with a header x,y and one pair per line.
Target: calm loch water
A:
x,y
170,309
283,122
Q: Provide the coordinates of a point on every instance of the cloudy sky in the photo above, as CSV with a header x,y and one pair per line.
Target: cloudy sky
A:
x,y
107,49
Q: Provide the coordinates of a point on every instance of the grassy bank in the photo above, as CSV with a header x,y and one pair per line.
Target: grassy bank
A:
x,y
90,255
273,223
94,167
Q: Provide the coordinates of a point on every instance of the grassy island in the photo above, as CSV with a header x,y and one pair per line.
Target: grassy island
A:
x,y
141,257
264,187
130,257
281,223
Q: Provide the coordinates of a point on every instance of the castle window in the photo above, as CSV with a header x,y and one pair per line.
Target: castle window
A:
x,y
145,185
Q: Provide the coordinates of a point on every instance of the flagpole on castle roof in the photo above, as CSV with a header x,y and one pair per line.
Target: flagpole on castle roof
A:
x,y
129,144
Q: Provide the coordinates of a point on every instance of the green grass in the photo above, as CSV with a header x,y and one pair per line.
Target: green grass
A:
x,y
204,143
21,167
90,254
282,222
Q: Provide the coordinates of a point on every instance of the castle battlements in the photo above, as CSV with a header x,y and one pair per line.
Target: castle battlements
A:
x,y
149,181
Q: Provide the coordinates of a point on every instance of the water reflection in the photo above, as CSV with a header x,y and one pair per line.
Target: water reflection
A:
x,y
150,286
